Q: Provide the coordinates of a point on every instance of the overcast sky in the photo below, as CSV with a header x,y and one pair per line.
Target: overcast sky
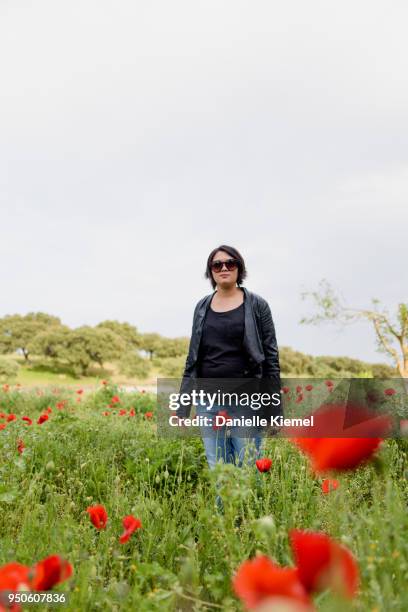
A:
x,y
137,136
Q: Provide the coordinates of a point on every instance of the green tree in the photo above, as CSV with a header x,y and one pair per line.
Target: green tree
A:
x,y
17,331
391,333
81,347
172,347
126,331
151,343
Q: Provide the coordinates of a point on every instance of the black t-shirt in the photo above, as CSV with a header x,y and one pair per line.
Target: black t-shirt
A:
x,y
221,352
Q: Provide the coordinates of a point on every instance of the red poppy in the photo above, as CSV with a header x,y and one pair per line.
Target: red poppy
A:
x,y
285,389
130,524
298,389
42,418
11,417
2,415
264,464
104,382
309,387
106,413
299,398
14,577
51,571
341,453
149,415
324,563
329,383
2,426
49,410
260,578
132,412
80,391
115,400
27,420
6,388
20,446
329,484
98,516
389,392
60,405
122,412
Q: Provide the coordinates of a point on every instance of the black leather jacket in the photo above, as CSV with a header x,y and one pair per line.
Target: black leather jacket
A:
x,y
259,342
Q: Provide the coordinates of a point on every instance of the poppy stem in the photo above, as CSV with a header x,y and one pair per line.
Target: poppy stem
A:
x,y
201,601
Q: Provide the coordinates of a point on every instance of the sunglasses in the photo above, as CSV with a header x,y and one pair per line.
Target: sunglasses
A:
x,y
230,264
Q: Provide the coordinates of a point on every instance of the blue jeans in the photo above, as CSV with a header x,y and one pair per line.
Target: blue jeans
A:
x,y
221,445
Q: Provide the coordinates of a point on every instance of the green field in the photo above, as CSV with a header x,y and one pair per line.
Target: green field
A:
x,y
186,552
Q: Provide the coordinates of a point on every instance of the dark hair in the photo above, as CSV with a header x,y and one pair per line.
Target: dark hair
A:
x,y
242,272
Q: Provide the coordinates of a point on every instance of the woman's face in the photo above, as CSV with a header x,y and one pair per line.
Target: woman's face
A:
x,y
224,278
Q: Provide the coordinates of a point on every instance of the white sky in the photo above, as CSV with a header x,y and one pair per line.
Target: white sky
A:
x,y
137,136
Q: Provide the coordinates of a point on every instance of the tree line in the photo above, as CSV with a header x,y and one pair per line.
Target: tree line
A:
x,y
79,350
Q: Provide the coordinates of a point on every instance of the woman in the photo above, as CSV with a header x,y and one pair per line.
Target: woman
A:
x,y
233,336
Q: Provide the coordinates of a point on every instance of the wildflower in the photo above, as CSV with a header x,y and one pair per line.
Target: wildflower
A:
x,y
41,577
42,418
341,453
260,578
51,571
329,484
98,516
20,446
130,524
264,465
324,563
389,392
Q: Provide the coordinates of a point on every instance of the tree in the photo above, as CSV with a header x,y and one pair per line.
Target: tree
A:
x,y
392,335
17,331
80,347
151,343
89,345
172,347
125,331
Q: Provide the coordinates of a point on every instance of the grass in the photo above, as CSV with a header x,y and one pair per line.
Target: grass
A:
x,y
40,372
185,554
